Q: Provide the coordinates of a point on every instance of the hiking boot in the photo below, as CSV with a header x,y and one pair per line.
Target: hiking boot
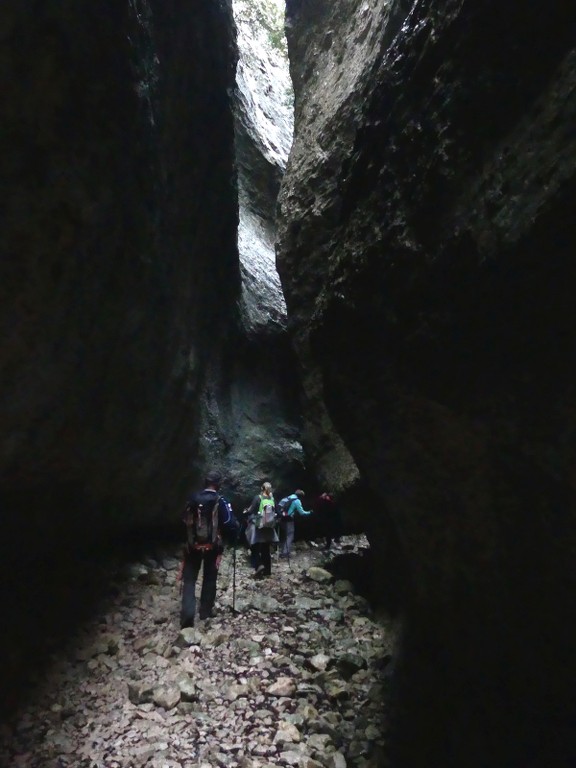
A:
x,y
259,572
187,624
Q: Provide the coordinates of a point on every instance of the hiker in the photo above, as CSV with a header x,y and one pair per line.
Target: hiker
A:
x,y
330,519
261,531
206,516
291,506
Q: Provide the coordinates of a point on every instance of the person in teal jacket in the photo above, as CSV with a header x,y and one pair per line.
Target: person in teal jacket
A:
x,y
287,521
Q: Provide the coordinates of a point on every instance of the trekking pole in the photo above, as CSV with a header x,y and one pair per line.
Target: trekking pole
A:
x,y
234,577
278,547
180,576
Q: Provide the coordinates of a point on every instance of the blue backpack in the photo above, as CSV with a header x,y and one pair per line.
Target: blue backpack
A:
x,y
283,507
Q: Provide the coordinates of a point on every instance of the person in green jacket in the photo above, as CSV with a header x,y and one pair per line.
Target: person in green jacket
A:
x,y
260,537
287,521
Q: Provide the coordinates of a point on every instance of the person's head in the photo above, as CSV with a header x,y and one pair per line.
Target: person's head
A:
x,y
267,489
299,493
213,479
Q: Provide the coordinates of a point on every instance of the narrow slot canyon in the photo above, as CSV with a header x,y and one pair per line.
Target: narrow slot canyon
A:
x,y
328,245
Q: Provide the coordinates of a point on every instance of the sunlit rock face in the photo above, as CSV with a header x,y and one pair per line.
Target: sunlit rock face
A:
x,y
251,425
264,128
426,252
119,271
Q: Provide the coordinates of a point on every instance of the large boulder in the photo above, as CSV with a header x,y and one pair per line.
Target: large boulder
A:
x,y
426,252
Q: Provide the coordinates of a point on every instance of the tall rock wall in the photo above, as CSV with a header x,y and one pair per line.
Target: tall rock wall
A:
x,y
426,252
118,270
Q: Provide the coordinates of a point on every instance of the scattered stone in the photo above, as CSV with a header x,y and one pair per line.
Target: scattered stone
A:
x,y
187,688
308,762
318,742
336,760
320,575
303,603
336,689
372,733
358,749
334,615
234,692
343,587
166,697
376,692
188,637
140,693
287,685
319,662
135,570
265,604
284,686
214,638
287,733
349,664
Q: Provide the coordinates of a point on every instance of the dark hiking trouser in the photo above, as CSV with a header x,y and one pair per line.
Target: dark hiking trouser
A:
x,y
288,528
192,562
262,556
332,526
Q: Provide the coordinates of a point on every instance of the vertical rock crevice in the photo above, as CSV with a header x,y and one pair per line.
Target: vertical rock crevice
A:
x,y
251,423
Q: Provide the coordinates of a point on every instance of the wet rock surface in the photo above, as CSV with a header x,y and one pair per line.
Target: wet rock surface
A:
x,y
287,686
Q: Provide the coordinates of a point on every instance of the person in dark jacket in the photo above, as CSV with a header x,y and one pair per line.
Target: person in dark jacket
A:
x,y
288,521
260,538
330,519
207,515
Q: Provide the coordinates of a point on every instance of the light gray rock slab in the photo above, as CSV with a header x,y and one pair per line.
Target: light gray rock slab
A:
x,y
284,686
319,575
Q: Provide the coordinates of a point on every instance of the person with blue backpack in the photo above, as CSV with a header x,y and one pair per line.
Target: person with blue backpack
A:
x,y
261,530
289,507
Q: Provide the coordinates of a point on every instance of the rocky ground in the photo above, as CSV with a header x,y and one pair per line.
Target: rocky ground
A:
x,y
293,678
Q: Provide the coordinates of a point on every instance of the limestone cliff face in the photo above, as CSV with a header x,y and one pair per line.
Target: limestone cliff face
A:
x,y
251,422
426,252
119,269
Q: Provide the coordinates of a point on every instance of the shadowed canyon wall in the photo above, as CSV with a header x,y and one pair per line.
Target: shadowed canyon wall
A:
x,y
119,220
138,348
426,252
120,216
